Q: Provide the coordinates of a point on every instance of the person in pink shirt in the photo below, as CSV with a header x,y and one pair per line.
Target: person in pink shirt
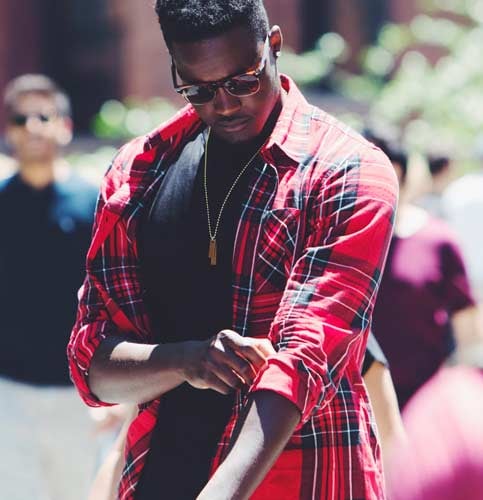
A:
x,y
442,458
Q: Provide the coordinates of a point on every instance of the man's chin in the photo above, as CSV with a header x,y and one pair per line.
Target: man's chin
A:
x,y
236,137
36,157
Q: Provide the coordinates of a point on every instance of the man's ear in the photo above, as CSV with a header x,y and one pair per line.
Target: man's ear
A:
x,y
276,40
65,131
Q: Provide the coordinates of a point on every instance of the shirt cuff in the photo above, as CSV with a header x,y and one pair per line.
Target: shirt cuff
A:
x,y
80,352
292,380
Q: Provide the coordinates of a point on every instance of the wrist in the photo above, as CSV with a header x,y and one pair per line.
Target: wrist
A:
x,y
184,357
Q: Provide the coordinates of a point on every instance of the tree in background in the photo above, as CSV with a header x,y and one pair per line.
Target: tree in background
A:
x,y
424,78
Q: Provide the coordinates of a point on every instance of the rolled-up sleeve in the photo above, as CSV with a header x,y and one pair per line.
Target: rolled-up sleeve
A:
x,y
94,320
91,327
328,300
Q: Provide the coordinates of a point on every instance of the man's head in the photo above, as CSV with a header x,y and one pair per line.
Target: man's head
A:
x,y
442,171
438,164
224,62
393,151
38,118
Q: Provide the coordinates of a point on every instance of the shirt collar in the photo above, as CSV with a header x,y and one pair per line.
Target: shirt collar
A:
x,y
292,125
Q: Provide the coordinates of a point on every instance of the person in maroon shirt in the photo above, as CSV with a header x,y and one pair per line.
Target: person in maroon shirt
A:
x,y
441,456
425,307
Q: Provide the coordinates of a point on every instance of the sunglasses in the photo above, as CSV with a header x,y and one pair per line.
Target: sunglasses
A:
x,y
20,119
242,85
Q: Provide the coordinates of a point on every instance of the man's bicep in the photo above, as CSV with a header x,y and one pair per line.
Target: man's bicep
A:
x,y
331,290
339,271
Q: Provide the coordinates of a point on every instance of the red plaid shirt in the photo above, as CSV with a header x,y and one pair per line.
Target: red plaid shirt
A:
x,y
309,253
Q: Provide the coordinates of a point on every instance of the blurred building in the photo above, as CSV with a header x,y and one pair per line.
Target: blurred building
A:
x,y
100,49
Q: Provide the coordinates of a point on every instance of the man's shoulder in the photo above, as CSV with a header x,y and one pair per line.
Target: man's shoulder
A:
x,y
77,187
464,191
306,132
335,142
439,232
6,182
141,153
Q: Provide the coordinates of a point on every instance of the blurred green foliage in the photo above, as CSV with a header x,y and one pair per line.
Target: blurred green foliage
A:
x,y
115,123
92,165
424,78
311,67
123,120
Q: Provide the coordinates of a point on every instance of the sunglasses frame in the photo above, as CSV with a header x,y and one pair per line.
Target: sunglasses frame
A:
x,y
223,83
21,119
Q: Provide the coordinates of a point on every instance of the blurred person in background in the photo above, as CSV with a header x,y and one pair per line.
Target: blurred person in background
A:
x,y
382,394
441,172
463,206
441,457
278,234
6,166
425,308
45,222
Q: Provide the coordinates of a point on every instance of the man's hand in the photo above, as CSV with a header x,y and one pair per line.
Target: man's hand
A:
x,y
225,362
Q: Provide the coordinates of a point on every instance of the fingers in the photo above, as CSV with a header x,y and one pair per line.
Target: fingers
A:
x,y
227,361
223,356
255,351
226,375
265,346
217,384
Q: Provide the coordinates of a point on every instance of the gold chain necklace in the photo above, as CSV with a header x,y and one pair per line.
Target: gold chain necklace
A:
x,y
212,249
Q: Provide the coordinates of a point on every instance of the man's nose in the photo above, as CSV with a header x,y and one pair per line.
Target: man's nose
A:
x,y
34,124
226,104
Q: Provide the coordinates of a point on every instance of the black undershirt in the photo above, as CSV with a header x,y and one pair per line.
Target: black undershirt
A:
x,y
188,299
373,353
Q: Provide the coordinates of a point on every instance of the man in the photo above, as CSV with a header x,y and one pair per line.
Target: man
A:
x,y
425,307
257,216
45,221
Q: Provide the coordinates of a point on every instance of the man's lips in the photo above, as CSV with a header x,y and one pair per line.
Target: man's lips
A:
x,y
233,125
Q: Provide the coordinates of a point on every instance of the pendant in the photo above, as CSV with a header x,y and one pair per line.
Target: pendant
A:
x,y
212,252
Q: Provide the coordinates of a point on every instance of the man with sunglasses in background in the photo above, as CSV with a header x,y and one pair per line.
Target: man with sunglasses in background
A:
x,y
231,278
45,223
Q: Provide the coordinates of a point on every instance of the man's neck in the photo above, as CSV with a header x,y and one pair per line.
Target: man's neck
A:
x,y
37,175
409,220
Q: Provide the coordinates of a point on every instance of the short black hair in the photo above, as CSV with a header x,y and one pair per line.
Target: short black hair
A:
x,y
195,20
36,84
398,156
437,163
395,152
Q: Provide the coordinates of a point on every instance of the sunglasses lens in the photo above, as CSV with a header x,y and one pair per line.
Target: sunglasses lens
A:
x,y
239,86
44,118
243,85
18,120
199,94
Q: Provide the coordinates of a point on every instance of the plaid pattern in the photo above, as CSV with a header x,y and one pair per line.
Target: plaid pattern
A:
x,y
309,253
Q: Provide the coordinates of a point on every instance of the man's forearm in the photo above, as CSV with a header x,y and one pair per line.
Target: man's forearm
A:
x,y
125,372
264,431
